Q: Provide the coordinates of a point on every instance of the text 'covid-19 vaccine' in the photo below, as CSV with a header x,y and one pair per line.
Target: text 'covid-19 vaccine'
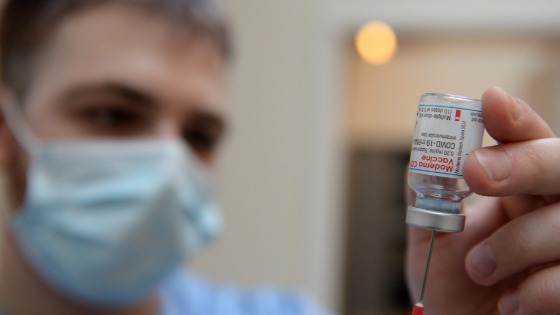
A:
x,y
448,128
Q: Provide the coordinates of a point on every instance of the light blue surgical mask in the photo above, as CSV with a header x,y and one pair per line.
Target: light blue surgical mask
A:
x,y
105,221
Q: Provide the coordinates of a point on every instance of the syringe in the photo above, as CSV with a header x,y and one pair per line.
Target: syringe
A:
x,y
448,128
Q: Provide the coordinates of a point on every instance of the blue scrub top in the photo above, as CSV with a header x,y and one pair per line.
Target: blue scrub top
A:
x,y
187,294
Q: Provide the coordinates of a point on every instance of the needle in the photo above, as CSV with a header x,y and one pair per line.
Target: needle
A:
x,y
419,307
428,258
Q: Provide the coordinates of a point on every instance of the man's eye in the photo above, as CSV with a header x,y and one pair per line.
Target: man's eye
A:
x,y
203,143
112,117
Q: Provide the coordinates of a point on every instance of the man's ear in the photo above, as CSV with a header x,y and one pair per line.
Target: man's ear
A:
x,y
6,138
12,161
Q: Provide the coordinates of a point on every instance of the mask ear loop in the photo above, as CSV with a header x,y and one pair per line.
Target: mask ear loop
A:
x,y
15,121
17,124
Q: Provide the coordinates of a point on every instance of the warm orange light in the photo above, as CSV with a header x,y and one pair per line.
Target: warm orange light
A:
x,y
376,43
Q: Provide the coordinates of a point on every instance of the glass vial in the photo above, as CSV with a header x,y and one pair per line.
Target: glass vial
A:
x,y
448,128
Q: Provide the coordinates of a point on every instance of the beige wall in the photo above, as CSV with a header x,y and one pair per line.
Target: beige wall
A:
x,y
264,183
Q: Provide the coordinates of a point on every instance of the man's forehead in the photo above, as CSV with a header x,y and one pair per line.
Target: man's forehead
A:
x,y
115,27
123,46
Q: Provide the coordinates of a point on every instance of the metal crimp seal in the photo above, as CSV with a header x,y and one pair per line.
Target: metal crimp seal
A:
x,y
436,221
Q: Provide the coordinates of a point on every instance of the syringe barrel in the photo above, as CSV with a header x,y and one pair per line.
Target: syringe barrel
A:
x,y
448,128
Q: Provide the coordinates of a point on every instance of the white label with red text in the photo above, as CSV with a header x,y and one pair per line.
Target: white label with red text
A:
x,y
443,138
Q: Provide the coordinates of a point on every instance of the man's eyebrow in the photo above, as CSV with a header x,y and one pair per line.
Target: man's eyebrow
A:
x,y
198,116
111,88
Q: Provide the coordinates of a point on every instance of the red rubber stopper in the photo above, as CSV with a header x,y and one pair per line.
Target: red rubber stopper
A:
x,y
418,310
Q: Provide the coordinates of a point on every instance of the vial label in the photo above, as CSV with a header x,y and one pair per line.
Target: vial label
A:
x,y
443,138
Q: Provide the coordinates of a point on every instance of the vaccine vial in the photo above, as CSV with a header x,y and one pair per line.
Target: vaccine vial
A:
x,y
448,128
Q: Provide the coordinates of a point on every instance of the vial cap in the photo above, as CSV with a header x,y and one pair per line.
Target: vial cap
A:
x,y
436,221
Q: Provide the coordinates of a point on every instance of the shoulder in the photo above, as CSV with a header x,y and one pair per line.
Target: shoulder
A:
x,y
186,293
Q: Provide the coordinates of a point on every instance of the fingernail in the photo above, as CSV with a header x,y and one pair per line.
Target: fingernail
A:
x,y
481,263
514,105
509,304
497,164
515,109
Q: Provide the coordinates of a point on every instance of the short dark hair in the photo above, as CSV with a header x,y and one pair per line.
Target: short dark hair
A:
x,y
26,26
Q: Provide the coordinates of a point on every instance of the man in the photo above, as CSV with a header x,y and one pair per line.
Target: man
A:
x,y
113,111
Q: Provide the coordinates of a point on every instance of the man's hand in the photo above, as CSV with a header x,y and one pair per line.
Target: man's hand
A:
x,y
507,259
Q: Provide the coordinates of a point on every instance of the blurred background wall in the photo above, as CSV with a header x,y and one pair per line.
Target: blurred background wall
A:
x,y
315,129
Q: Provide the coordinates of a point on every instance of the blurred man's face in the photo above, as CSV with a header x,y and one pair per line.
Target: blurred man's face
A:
x,y
119,72
116,72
